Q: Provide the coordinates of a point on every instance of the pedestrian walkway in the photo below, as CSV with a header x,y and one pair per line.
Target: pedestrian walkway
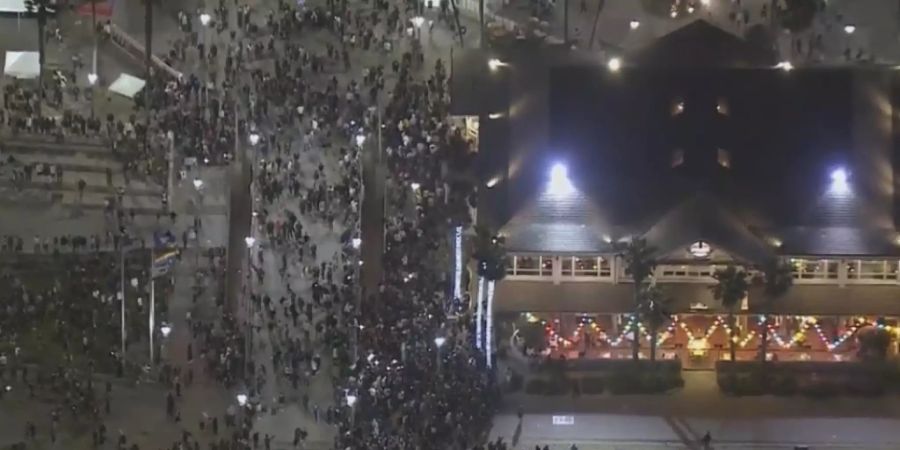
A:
x,y
621,25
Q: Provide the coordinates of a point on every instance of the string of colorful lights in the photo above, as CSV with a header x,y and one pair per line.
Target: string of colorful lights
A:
x,y
669,332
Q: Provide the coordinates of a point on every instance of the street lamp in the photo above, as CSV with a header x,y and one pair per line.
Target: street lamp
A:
x,y
198,183
254,138
495,64
205,19
351,400
415,186
241,399
439,342
356,242
417,22
249,240
165,330
849,29
634,24
614,64
92,78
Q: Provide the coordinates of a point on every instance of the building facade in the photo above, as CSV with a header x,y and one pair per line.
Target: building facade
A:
x,y
716,156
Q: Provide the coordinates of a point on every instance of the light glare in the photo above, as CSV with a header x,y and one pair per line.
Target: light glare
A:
x,y
840,181
559,180
614,64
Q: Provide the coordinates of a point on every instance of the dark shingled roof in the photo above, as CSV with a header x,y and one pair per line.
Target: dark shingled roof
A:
x,y
719,48
782,133
838,241
703,218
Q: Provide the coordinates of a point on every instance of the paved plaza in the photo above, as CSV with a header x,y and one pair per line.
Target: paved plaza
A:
x,y
224,202
875,21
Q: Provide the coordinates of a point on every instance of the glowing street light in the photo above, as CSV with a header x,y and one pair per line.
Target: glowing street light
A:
x,y
356,242
249,240
165,330
360,140
351,400
254,139
495,64
614,64
92,78
415,186
849,29
198,183
241,399
205,19
634,24
439,341
785,66
417,21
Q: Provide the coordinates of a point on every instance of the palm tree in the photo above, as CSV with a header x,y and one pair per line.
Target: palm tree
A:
x,y
655,311
777,278
730,289
639,264
491,259
39,8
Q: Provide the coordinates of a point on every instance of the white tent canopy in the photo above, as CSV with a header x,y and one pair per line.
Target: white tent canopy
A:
x,y
22,64
12,6
127,85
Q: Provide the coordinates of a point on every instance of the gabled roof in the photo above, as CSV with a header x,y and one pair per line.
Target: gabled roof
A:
x,y
700,44
566,224
837,241
702,217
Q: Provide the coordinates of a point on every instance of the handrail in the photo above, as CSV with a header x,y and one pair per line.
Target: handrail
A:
x,y
132,46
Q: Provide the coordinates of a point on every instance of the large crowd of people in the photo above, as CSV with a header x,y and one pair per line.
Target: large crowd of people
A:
x,y
313,111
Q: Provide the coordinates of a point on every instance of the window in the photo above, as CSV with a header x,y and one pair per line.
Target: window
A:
x,y
872,270
722,106
687,271
822,269
535,266
724,158
586,267
546,266
566,262
527,265
677,157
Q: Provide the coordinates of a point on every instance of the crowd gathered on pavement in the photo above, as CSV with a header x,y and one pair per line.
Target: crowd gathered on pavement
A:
x,y
312,110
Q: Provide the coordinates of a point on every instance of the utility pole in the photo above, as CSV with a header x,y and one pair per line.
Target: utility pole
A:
x,y
122,299
152,320
148,48
594,26
93,77
481,39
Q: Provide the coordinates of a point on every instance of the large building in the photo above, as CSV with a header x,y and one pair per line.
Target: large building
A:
x,y
712,152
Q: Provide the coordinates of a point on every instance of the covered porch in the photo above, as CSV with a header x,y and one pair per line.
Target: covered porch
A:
x,y
594,320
